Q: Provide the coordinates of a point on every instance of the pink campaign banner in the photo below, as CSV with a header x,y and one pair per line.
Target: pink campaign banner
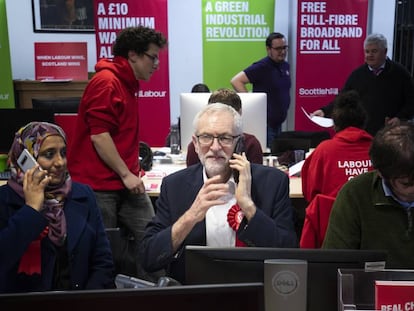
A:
x,y
56,61
154,97
330,37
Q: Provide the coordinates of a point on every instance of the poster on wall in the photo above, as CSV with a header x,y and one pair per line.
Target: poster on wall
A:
x,y
111,16
6,82
234,35
61,61
63,16
330,36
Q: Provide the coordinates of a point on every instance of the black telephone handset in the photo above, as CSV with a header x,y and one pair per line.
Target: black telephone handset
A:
x,y
239,148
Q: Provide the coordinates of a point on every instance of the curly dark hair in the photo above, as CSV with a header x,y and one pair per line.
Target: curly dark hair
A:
x,y
348,111
137,39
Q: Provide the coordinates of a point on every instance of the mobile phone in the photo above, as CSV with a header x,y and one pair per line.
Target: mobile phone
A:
x,y
26,161
239,148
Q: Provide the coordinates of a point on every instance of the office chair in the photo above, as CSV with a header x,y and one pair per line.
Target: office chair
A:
x,y
145,156
316,221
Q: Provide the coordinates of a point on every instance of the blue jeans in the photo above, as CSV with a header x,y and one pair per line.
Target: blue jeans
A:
x,y
272,133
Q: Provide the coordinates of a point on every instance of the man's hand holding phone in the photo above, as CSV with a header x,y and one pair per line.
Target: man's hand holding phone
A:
x,y
243,190
241,165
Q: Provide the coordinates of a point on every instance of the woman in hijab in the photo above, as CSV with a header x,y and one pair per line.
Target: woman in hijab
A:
x,y
51,232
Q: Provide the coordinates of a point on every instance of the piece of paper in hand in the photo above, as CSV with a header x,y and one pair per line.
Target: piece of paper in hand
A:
x,y
321,121
296,168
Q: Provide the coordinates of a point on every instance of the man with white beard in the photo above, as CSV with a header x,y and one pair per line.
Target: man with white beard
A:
x,y
223,201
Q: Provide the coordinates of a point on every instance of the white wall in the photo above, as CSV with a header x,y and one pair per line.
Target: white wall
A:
x,y
185,49
383,13
22,38
185,45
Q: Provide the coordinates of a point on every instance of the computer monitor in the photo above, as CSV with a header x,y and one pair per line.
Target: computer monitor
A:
x,y
11,120
254,114
240,297
209,265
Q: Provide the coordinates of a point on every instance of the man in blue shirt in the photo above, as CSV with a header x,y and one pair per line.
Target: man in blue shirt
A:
x,y
270,75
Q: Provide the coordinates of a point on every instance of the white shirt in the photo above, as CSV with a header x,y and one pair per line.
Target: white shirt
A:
x,y
218,231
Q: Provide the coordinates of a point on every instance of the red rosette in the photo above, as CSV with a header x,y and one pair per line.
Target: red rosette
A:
x,y
235,217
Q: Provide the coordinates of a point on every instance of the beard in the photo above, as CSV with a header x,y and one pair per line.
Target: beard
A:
x,y
218,165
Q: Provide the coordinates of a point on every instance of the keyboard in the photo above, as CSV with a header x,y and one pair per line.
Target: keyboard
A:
x,y
5,175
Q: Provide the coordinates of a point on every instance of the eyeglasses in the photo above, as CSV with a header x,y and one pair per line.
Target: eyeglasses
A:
x,y
154,59
280,48
224,140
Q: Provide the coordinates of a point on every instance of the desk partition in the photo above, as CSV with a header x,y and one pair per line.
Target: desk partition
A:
x,y
357,286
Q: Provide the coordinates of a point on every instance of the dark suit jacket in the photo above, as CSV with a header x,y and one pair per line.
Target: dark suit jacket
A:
x,y
272,225
90,259
390,94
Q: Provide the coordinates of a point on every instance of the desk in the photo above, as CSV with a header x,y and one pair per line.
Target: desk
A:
x,y
153,180
295,191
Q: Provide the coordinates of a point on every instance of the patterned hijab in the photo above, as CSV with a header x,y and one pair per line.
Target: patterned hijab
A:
x,y
31,137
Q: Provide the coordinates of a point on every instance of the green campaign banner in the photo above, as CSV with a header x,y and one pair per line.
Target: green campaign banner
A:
x,y
6,82
234,34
